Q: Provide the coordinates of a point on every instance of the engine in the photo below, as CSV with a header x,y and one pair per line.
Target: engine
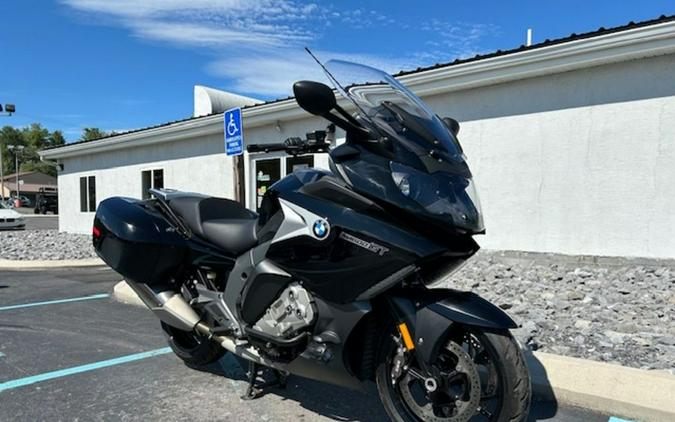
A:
x,y
289,314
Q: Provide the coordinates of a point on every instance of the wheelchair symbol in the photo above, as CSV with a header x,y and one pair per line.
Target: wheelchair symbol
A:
x,y
232,128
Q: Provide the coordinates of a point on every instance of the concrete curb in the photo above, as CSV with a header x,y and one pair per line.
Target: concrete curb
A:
x,y
7,264
611,389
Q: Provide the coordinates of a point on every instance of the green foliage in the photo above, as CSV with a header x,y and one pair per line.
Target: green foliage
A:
x,y
34,138
91,133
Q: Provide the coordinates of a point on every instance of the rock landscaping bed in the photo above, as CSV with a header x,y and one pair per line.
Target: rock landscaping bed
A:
x,y
618,311
32,245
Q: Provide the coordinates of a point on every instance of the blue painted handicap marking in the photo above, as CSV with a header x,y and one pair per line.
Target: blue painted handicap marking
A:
x,y
615,419
21,382
234,132
53,302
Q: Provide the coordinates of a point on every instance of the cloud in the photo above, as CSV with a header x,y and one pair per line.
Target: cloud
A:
x,y
274,74
263,39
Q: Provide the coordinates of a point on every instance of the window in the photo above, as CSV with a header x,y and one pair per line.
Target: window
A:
x,y
151,179
88,194
270,170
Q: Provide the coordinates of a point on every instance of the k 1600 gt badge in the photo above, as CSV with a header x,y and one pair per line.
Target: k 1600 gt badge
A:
x,y
371,246
321,229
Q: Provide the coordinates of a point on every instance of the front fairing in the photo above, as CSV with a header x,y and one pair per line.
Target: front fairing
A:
x,y
413,162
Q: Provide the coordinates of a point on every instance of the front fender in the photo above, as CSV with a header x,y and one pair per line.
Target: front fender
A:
x,y
431,313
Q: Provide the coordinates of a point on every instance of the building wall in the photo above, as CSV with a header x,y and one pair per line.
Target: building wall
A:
x,y
581,162
192,165
578,162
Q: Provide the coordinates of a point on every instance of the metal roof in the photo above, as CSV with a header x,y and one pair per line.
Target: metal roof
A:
x,y
546,43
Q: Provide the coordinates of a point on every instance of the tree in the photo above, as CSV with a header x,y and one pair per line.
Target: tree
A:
x,y
34,138
9,136
56,139
91,133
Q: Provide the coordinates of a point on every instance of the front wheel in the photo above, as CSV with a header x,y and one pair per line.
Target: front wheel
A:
x,y
193,348
476,375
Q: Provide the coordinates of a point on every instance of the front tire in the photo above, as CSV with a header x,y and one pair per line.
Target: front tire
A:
x,y
503,393
192,348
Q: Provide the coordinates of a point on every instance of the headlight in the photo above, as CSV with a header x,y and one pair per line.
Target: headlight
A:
x,y
402,180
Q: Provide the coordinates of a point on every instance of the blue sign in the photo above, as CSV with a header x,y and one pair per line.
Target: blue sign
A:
x,y
234,132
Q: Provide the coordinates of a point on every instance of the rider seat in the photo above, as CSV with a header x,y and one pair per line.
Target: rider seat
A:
x,y
225,223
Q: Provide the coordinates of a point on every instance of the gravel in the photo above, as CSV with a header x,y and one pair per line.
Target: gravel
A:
x,y
619,311
44,245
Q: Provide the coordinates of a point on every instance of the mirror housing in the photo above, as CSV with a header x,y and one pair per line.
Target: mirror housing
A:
x,y
314,97
451,124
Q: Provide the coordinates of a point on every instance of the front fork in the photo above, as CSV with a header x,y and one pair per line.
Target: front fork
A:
x,y
426,316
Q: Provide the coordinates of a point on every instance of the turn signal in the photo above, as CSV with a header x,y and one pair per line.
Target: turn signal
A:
x,y
405,335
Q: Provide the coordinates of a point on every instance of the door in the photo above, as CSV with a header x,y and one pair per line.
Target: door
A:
x,y
267,171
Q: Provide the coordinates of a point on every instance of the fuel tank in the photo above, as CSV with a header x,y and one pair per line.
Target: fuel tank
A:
x,y
353,245
135,240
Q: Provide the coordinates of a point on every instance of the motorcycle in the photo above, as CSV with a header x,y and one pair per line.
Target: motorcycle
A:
x,y
334,278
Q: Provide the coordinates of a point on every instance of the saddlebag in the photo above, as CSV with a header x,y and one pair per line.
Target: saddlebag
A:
x,y
135,240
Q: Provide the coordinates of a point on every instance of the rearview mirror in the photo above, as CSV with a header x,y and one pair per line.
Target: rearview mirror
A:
x,y
451,124
314,97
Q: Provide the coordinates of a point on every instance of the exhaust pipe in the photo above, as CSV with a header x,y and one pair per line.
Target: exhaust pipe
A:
x,y
171,308
168,306
242,350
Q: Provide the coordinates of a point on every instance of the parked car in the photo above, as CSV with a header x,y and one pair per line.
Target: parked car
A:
x,y
46,200
25,201
10,219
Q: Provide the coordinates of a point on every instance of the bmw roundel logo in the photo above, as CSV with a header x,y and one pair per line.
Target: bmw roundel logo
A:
x,y
321,229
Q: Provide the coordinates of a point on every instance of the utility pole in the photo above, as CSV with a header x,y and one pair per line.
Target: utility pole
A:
x,y
16,149
2,179
9,109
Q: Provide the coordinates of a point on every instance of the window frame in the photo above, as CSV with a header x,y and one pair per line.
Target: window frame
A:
x,y
88,194
152,179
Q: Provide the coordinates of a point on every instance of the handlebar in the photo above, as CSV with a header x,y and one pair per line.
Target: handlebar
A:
x,y
316,142
266,147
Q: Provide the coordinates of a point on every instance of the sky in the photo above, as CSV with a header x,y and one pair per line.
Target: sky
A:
x,y
122,64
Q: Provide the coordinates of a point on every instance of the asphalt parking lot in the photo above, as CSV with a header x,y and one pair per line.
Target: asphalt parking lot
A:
x,y
41,222
69,352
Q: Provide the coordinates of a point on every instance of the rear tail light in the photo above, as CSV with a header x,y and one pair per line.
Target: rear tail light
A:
x,y
96,232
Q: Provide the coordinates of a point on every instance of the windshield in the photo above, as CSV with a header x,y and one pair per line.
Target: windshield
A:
x,y
391,110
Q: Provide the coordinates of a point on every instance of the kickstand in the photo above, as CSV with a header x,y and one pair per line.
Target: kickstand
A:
x,y
254,391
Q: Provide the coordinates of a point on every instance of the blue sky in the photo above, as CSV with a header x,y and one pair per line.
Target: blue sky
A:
x,y
123,64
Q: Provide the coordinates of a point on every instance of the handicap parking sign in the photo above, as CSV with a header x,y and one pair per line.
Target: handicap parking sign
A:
x,y
234,132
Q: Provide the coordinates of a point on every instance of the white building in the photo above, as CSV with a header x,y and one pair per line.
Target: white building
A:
x,y
572,143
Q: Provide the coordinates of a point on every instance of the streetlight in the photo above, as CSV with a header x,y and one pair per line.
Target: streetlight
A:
x,y
9,109
16,149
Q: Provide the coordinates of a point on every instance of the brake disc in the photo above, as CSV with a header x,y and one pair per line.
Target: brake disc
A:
x,y
465,407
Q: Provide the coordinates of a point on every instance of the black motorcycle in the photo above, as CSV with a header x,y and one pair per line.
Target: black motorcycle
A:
x,y
333,279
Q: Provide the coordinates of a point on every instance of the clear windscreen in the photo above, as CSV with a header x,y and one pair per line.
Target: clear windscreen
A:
x,y
390,109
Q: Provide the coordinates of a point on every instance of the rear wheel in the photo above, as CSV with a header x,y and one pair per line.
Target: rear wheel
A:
x,y
193,348
477,375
